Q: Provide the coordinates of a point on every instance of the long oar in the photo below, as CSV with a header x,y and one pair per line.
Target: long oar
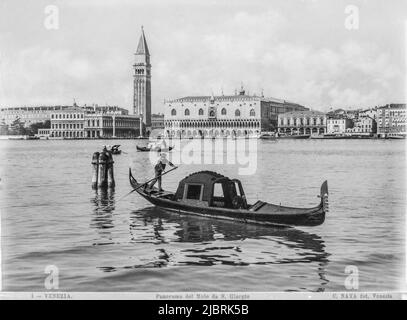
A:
x,y
108,207
155,178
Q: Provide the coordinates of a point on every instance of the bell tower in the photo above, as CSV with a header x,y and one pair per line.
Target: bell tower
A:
x,y
142,83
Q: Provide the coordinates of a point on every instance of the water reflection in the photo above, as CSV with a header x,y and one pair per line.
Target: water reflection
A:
x,y
170,239
222,242
102,217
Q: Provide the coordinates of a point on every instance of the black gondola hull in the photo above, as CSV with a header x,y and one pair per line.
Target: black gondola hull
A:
x,y
278,215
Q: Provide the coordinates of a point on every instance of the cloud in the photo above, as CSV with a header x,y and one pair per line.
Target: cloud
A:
x,y
251,48
292,51
49,76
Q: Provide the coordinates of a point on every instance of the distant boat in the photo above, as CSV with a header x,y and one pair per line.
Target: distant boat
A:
x,y
115,149
195,196
396,136
338,137
267,136
146,149
297,136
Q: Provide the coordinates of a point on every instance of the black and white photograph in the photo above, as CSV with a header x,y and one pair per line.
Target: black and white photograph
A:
x,y
187,150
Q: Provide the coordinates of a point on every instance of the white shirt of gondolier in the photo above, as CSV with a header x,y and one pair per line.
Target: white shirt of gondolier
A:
x,y
163,159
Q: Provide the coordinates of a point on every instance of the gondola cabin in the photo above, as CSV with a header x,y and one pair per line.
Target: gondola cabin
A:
x,y
211,189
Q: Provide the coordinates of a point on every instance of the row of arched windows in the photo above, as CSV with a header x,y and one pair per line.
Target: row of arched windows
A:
x,y
301,121
212,113
212,124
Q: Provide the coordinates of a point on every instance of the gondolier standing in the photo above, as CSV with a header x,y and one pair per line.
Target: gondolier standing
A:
x,y
159,167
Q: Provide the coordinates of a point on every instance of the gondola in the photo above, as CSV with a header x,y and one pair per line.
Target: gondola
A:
x,y
268,136
115,149
146,149
297,136
213,195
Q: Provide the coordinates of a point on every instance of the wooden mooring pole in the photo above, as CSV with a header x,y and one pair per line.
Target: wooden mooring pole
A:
x,y
102,175
110,173
102,169
95,168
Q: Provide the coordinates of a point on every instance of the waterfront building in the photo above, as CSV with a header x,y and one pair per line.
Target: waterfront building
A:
x,y
77,122
239,115
142,83
371,113
391,120
302,122
28,115
36,114
43,133
338,125
68,123
157,121
105,109
99,125
363,125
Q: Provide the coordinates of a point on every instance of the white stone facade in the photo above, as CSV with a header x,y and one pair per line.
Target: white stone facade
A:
x,y
337,125
238,115
302,123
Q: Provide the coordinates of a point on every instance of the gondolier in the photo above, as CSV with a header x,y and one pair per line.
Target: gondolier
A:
x,y
159,167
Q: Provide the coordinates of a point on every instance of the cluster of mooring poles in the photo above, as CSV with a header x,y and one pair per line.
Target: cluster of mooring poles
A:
x,y
102,164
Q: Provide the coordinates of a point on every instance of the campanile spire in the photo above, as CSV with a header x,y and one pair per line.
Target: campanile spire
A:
x,y
142,83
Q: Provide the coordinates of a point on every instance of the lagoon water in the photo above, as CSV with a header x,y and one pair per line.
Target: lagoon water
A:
x,y
100,241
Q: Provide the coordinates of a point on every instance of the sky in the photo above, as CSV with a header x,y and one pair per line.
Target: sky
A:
x,y
299,50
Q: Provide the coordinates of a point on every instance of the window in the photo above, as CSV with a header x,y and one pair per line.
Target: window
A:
x,y
223,112
237,113
194,191
252,113
201,112
212,113
173,112
218,190
186,112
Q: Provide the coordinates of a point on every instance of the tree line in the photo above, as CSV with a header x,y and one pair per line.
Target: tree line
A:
x,y
17,127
